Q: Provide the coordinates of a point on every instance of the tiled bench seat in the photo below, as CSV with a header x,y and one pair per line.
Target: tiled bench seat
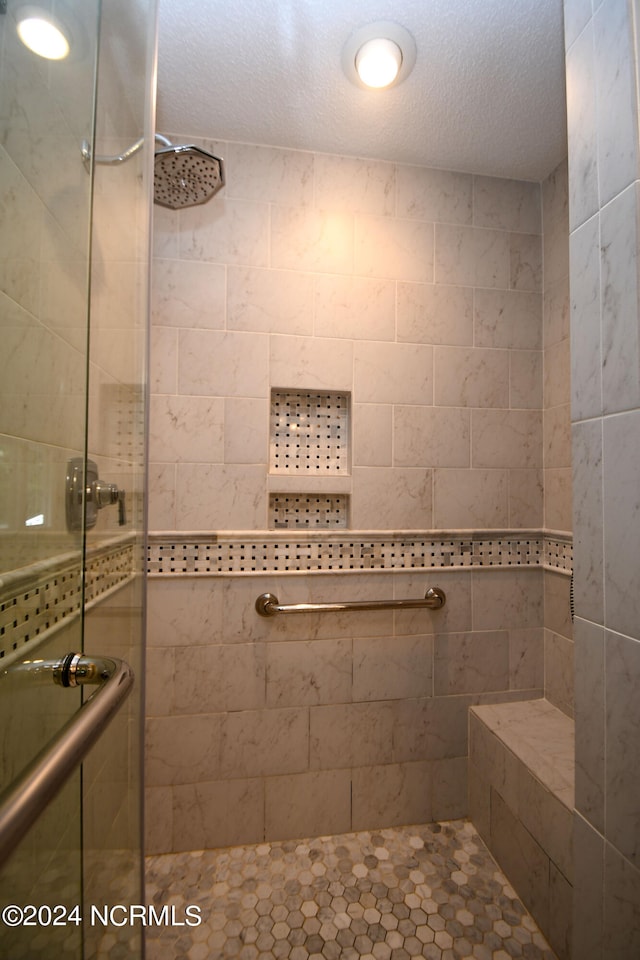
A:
x,y
521,799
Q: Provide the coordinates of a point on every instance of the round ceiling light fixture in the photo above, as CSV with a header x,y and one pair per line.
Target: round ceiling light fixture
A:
x,y
42,33
379,55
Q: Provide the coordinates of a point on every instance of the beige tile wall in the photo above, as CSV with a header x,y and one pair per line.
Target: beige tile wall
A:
x,y
418,292
297,726
603,52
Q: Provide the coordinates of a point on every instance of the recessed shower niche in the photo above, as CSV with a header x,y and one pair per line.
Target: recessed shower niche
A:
x,y
309,459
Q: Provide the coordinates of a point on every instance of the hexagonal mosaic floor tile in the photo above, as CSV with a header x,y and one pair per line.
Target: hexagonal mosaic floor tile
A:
x,y
430,891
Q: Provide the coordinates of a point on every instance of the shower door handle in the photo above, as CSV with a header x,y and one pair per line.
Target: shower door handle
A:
x,y
24,800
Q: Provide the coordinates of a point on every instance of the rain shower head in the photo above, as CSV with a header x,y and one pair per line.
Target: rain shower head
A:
x,y
185,176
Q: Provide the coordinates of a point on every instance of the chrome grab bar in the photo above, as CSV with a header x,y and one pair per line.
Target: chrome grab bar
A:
x,y
24,800
268,604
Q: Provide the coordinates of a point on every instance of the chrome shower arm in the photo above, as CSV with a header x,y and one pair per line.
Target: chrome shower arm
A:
x,y
85,149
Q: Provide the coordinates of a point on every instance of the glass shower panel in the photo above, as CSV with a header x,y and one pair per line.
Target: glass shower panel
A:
x,y
46,110
74,261
112,784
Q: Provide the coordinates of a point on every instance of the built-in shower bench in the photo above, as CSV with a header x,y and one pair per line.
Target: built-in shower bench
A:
x,y
521,799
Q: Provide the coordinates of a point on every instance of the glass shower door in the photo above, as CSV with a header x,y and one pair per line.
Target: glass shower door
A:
x,y
46,106
73,324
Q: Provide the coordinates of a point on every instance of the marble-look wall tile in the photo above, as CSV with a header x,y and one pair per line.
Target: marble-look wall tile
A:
x,y
469,256
393,373
230,231
577,14
308,804
373,434
309,672
222,813
622,745
163,349
586,348
392,668
506,438
525,379
468,499
590,721
183,749
470,377
395,249
161,485
557,437
188,293
471,662
434,313
186,429
245,430
454,617
431,437
615,96
526,262
350,735
269,301
268,174
212,363
220,497
560,909
556,310
355,307
522,859
588,867
410,508
434,195
391,795
513,205
548,820
557,499
526,658
354,185
621,906
263,743
306,239
215,678
158,821
504,599
557,375
434,727
526,498
582,128
588,563
622,522
508,319
558,668
311,364
620,333
183,611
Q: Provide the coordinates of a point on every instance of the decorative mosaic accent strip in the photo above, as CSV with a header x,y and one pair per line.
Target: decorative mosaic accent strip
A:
x,y
309,432
175,554
49,594
316,511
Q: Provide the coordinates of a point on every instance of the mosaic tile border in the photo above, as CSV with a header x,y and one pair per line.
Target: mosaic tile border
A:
x,y
175,554
47,595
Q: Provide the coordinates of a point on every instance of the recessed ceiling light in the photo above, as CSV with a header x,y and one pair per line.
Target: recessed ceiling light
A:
x,y
379,55
42,33
378,62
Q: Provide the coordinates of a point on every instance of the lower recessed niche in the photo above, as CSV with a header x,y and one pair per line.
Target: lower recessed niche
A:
x,y
313,511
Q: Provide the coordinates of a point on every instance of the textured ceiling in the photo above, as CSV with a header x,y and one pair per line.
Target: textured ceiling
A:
x,y
486,94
